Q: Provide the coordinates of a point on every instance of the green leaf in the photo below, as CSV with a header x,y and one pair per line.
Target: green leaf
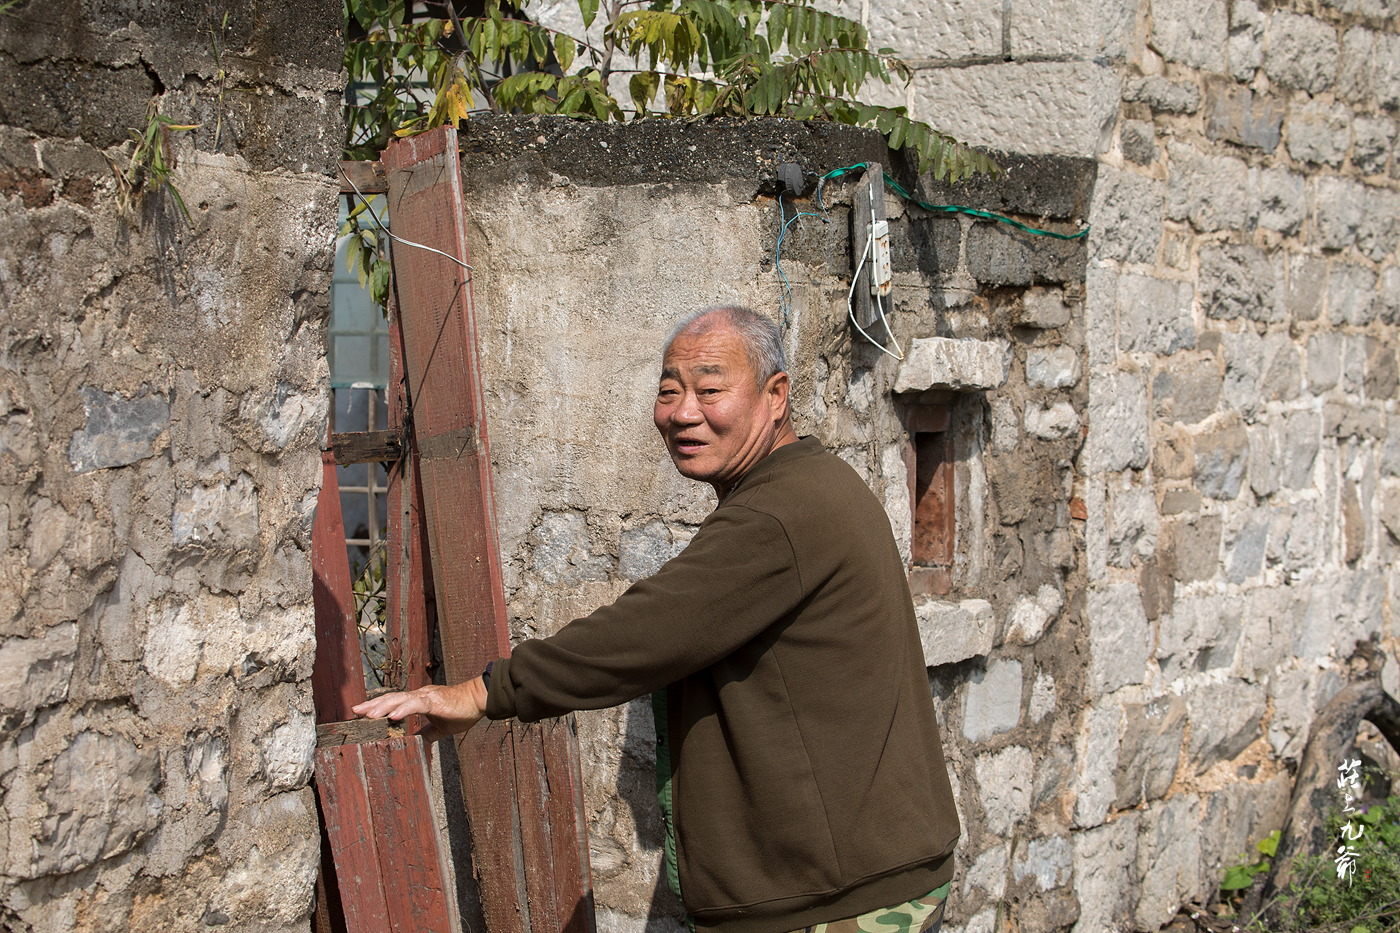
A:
x,y
1269,844
564,50
589,9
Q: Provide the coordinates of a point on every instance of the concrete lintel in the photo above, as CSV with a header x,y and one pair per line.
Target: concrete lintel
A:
x,y
960,364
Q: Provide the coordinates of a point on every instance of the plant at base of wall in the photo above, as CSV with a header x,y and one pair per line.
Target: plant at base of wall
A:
x,y
698,57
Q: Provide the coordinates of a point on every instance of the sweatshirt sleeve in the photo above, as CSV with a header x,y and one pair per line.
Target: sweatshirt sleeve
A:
x,y
737,577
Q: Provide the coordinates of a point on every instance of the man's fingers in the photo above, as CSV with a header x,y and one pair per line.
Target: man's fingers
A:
x,y
391,705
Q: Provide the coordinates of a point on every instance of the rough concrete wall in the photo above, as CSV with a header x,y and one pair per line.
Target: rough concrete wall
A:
x,y
588,242
164,398
1238,478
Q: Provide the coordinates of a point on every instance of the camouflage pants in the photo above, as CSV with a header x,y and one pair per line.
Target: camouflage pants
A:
x,y
921,915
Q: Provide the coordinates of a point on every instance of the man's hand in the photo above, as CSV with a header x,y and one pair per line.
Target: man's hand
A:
x,y
450,710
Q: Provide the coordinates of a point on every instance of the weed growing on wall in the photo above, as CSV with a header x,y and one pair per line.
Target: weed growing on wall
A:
x,y
693,58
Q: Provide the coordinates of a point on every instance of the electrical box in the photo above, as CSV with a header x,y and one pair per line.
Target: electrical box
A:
x,y
880,273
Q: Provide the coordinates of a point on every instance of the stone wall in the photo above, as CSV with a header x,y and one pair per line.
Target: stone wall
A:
x,y
1239,478
589,241
162,402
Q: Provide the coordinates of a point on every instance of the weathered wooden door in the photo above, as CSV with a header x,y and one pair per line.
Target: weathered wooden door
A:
x,y
521,786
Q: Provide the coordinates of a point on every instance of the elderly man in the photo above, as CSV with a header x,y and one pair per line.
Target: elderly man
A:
x,y
798,752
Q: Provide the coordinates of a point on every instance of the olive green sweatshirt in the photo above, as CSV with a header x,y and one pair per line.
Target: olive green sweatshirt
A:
x,y
808,780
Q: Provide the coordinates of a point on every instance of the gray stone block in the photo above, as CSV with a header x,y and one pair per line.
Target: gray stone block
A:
x,y
1131,205
1338,206
1244,367
1001,255
1154,315
1238,280
1353,378
1138,141
1205,190
1117,422
34,672
1302,437
1305,287
1369,68
117,430
1051,422
562,550
1132,513
1050,861
1224,721
1043,699
1044,308
1324,361
987,872
1105,875
1168,860
1388,295
1192,32
1382,378
1319,132
1351,294
1119,638
1052,367
642,550
1004,781
1080,28
947,363
1056,108
1373,138
1163,94
1379,230
1097,762
1222,457
1052,774
1376,9
1187,391
953,632
1263,460
1151,747
993,702
1246,546
957,29
1283,373
1194,548
1302,52
1282,200
222,515
1245,49
1238,115
1101,315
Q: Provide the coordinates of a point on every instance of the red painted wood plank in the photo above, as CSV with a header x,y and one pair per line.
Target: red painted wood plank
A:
x,y
532,798
410,859
444,393
573,887
337,675
340,784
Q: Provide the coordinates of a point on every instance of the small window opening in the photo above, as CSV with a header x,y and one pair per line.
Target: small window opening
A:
x,y
931,498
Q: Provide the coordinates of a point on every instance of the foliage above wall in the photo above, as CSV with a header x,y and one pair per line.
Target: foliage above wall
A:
x,y
692,58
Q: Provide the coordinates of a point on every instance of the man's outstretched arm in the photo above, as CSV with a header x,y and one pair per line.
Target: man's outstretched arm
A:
x,y
450,710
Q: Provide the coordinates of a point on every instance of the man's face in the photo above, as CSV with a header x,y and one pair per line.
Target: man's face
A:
x,y
716,421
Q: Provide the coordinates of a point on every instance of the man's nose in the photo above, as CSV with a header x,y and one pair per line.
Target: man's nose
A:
x,y
688,411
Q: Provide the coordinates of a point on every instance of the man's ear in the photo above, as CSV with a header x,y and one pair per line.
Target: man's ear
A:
x,y
775,391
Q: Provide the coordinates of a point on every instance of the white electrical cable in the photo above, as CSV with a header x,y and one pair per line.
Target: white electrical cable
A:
x,y
850,307
369,209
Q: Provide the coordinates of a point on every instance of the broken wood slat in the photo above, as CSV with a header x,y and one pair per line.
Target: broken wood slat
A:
x,y
355,732
366,447
410,611
367,176
340,784
410,858
503,791
869,190
572,891
337,675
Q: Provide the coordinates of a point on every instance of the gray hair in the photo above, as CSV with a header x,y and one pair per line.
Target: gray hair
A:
x,y
761,338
